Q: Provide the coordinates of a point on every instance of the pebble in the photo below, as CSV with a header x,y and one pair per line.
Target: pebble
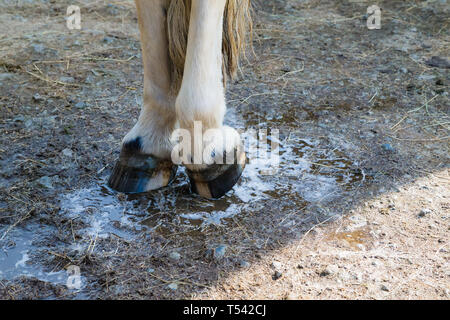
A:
x,y
244,264
108,40
277,275
329,270
67,79
173,286
426,77
384,288
438,62
387,147
175,256
424,212
80,105
45,181
67,152
219,251
37,97
276,265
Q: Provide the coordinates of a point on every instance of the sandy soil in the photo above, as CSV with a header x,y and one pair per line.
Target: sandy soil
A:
x,y
360,208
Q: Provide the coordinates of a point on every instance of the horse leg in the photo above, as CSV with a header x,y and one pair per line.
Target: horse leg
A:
x,y
144,162
201,100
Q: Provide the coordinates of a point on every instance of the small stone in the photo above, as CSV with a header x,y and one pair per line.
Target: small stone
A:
x,y
173,286
324,273
277,275
175,256
426,77
276,265
244,264
67,153
329,270
219,252
387,147
37,97
424,212
108,40
384,288
438,62
45,181
80,105
67,79
150,270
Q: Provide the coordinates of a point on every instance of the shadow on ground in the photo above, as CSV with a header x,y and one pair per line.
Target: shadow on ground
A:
x,y
362,116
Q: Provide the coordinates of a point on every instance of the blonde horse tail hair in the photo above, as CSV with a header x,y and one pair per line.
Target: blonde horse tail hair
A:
x,y
237,30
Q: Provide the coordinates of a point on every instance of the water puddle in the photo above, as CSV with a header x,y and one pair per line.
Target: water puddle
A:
x,y
16,251
308,174
355,239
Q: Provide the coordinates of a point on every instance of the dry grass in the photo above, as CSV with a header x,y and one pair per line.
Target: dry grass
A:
x,y
317,74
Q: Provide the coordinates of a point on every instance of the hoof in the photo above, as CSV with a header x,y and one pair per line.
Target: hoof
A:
x,y
141,173
216,179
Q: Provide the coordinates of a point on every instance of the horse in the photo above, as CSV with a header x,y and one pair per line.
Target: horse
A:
x,y
190,48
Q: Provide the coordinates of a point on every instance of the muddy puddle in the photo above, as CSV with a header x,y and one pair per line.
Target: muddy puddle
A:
x,y
305,172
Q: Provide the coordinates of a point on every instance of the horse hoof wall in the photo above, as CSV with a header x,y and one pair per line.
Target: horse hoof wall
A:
x,y
217,179
141,173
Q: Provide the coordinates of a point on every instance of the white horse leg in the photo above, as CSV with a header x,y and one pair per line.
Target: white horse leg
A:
x,y
201,99
144,162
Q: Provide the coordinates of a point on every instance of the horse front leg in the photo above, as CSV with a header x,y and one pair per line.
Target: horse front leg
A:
x,y
144,162
200,105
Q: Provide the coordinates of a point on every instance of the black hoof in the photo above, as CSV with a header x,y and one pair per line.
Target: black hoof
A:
x,y
141,173
217,179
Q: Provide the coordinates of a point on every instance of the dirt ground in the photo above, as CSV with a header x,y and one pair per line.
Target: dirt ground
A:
x,y
360,208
